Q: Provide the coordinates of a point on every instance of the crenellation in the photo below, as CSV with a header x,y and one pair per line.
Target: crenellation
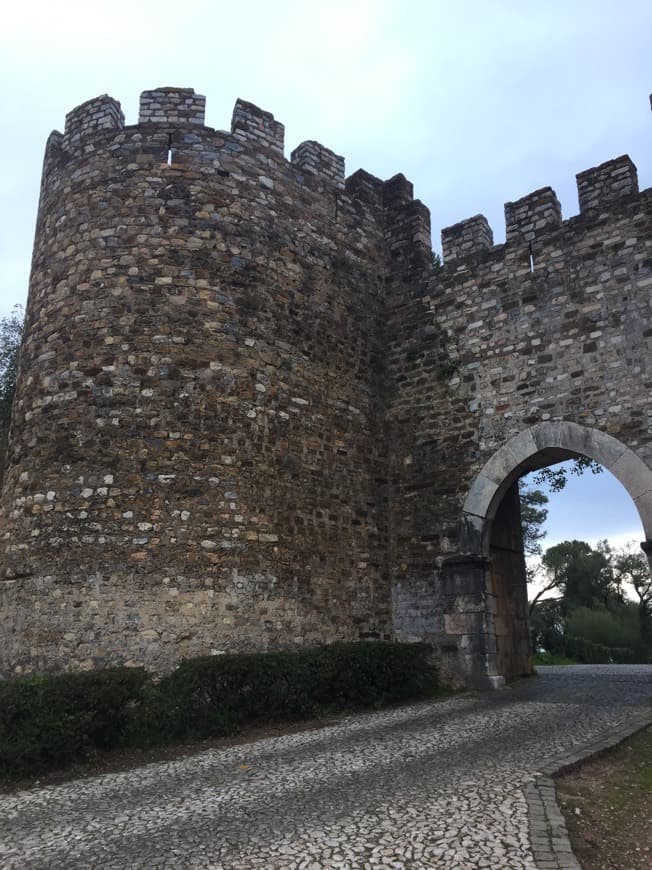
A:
x,y
172,106
471,236
256,126
532,215
407,235
365,187
598,188
397,190
326,167
407,228
52,151
92,117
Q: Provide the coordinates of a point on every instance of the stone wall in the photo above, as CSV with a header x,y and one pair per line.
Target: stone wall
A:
x,y
554,325
251,413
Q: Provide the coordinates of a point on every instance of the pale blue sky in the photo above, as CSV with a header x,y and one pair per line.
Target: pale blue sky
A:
x,y
589,508
476,103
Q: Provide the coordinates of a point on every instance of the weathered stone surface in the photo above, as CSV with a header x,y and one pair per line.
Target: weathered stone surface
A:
x,y
471,236
196,461
252,412
513,357
598,187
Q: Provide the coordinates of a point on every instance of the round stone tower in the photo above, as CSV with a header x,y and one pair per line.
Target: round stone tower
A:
x,y
195,462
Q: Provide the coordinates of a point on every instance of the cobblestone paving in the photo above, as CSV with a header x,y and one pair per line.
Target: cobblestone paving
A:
x,y
431,785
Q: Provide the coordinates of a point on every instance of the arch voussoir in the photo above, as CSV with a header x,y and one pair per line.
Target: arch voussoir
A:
x,y
564,437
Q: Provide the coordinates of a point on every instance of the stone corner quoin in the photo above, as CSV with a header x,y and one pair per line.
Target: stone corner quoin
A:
x,y
252,414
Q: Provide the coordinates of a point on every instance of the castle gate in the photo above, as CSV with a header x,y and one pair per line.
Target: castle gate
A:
x,y
491,524
253,412
510,358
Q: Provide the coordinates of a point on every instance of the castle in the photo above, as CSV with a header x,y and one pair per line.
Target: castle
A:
x,y
252,411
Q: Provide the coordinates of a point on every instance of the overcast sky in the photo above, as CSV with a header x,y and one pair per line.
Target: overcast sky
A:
x,y
476,102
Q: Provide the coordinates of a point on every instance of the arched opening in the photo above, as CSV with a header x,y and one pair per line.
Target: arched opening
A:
x,y
491,532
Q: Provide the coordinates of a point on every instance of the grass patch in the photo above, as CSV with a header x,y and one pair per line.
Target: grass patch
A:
x,y
607,805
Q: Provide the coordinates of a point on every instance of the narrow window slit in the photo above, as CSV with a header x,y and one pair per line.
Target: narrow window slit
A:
x,y
170,150
531,256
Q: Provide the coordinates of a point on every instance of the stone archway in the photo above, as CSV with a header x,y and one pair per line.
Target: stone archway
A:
x,y
545,444
486,572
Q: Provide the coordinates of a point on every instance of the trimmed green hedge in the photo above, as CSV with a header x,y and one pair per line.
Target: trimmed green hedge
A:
x,y
52,721
215,695
590,653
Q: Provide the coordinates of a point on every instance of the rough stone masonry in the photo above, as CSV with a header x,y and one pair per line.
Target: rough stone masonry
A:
x,y
252,412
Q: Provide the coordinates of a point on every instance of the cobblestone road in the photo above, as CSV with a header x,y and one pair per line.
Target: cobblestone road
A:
x,y
432,785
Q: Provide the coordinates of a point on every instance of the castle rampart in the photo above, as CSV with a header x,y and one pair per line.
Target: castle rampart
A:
x,y
250,410
553,325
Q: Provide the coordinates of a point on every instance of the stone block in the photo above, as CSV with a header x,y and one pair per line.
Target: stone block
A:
x,y
633,473
481,496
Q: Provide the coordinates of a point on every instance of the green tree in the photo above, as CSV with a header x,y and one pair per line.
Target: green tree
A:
x,y
583,576
533,515
11,330
632,567
613,628
555,477
548,626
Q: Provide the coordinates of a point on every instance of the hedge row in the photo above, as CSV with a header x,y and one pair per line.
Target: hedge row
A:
x,y
591,653
52,721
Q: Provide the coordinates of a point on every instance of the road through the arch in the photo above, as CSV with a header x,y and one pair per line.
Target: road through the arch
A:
x,y
430,785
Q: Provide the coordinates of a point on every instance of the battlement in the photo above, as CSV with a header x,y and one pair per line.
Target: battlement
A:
x,y
397,191
407,227
407,221
531,215
251,124
321,162
365,187
539,213
172,106
171,129
597,188
466,237
170,110
92,117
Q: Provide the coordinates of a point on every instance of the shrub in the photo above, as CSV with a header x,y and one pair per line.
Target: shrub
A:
x,y
617,627
373,674
590,653
51,721
216,695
